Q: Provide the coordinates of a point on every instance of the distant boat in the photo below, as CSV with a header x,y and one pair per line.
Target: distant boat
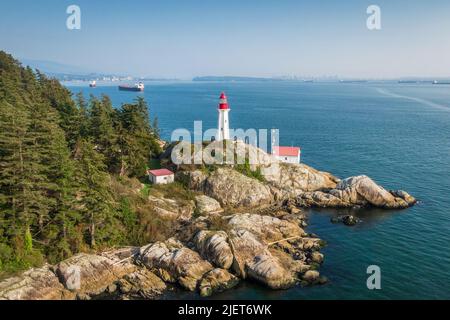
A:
x,y
138,87
408,81
93,84
441,82
353,81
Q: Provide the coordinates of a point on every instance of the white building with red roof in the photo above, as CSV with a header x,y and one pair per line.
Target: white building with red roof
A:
x,y
287,154
161,176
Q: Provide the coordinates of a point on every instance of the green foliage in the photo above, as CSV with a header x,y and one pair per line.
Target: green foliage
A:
x,y
145,191
246,170
57,159
28,241
174,190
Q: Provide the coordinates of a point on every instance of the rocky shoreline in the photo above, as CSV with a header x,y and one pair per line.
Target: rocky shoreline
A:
x,y
237,228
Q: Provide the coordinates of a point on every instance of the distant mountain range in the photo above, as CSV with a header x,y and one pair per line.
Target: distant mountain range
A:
x,y
51,67
232,78
69,72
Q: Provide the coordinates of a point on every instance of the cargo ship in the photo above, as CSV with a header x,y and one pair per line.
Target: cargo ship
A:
x,y
137,87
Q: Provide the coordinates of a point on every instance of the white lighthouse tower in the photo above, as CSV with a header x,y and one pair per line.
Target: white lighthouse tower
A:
x,y
223,132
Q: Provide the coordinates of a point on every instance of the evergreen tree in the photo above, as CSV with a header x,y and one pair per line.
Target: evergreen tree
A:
x,y
59,98
57,156
137,139
102,118
96,201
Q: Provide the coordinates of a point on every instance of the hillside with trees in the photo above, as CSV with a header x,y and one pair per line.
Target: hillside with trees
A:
x,y
60,162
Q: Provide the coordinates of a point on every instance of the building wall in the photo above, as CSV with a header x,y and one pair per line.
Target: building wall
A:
x,y
289,159
162,179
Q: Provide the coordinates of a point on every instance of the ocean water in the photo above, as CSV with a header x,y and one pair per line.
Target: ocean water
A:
x,y
398,134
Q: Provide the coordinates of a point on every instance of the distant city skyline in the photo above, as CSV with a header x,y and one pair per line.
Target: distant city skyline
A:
x,y
185,39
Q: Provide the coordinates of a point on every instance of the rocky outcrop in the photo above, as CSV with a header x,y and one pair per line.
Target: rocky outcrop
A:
x,y
90,274
141,284
357,191
214,247
285,181
174,262
273,251
217,280
207,205
253,259
34,284
294,179
230,188
348,220
172,209
81,276
322,200
266,227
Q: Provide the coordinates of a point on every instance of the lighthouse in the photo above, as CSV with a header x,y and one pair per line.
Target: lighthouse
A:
x,y
223,132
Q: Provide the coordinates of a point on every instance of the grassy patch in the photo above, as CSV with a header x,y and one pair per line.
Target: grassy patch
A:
x,y
145,191
247,171
173,190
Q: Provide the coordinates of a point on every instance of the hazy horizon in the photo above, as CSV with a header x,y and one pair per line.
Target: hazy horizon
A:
x,y
185,39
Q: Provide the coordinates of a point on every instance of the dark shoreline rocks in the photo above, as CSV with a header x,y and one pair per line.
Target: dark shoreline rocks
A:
x,y
348,220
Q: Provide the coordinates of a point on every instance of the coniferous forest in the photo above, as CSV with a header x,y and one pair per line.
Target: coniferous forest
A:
x,y
62,159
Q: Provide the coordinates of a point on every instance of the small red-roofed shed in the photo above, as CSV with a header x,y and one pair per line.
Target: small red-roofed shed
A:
x,y
161,176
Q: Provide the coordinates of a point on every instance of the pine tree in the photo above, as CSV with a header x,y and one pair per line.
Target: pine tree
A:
x,y
96,201
59,98
84,116
102,118
137,139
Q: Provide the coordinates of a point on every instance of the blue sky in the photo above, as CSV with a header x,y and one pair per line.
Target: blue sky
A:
x,y
169,38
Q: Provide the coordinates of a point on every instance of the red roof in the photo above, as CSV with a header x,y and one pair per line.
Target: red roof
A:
x,y
286,151
160,172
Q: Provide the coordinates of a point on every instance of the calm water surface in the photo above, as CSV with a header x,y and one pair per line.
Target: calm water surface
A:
x,y
398,134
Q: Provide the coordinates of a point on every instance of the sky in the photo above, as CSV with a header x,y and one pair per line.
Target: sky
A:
x,y
264,38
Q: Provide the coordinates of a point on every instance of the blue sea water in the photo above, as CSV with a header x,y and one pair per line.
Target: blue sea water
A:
x,y
398,134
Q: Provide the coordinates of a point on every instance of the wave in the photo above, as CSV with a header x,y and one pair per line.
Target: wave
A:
x,y
415,99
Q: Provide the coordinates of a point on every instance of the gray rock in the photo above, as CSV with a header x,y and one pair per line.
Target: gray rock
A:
x,y
311,276
92,274
142,283
233,189
175,262
266,228
214,247
357,192
253,259
34,284
172,209
207,205
217,280
316,257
